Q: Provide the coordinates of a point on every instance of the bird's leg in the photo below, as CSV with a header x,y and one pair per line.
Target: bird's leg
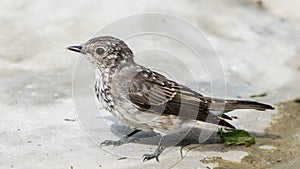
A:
x,y
123,140
156,153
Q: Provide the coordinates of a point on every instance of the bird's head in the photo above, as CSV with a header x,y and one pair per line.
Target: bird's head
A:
x,y
105,51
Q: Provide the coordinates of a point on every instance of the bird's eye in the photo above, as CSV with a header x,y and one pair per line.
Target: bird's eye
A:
x,y
100,51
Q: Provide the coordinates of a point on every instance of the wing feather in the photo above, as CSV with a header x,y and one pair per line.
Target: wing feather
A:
x,y
151,91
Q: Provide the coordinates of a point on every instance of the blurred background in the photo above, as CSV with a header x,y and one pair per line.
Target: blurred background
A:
x,y
258,42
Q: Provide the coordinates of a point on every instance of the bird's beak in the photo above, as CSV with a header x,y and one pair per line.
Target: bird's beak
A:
x,y
76,49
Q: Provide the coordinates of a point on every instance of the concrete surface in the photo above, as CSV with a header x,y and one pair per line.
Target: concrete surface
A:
x,y
258,46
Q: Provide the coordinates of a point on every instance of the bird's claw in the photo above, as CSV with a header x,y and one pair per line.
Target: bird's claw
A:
x,y
147,157
155,155
109,142
123,140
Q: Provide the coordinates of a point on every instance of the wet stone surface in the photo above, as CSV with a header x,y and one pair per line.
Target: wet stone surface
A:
x,y
258,46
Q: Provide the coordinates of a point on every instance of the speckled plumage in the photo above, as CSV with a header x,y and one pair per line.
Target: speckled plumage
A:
x,y
146,100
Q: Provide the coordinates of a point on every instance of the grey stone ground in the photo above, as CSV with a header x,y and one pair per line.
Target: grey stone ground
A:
x,y
258,48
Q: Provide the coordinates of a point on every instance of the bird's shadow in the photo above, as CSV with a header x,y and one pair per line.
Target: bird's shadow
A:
x,y
183,138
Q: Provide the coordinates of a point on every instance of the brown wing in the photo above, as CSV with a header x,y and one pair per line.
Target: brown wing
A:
x,y
150,91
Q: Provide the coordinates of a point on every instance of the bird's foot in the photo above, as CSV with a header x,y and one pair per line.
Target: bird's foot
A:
x,y
155,155
123,140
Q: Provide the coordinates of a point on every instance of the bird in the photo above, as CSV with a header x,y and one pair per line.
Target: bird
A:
x,y
146,100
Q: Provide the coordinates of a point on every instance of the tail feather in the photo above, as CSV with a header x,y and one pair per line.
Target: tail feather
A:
x,y
228,105
225,124
214,119
226,117
243,104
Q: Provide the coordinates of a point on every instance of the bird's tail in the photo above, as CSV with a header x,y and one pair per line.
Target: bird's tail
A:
x,y
228,105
